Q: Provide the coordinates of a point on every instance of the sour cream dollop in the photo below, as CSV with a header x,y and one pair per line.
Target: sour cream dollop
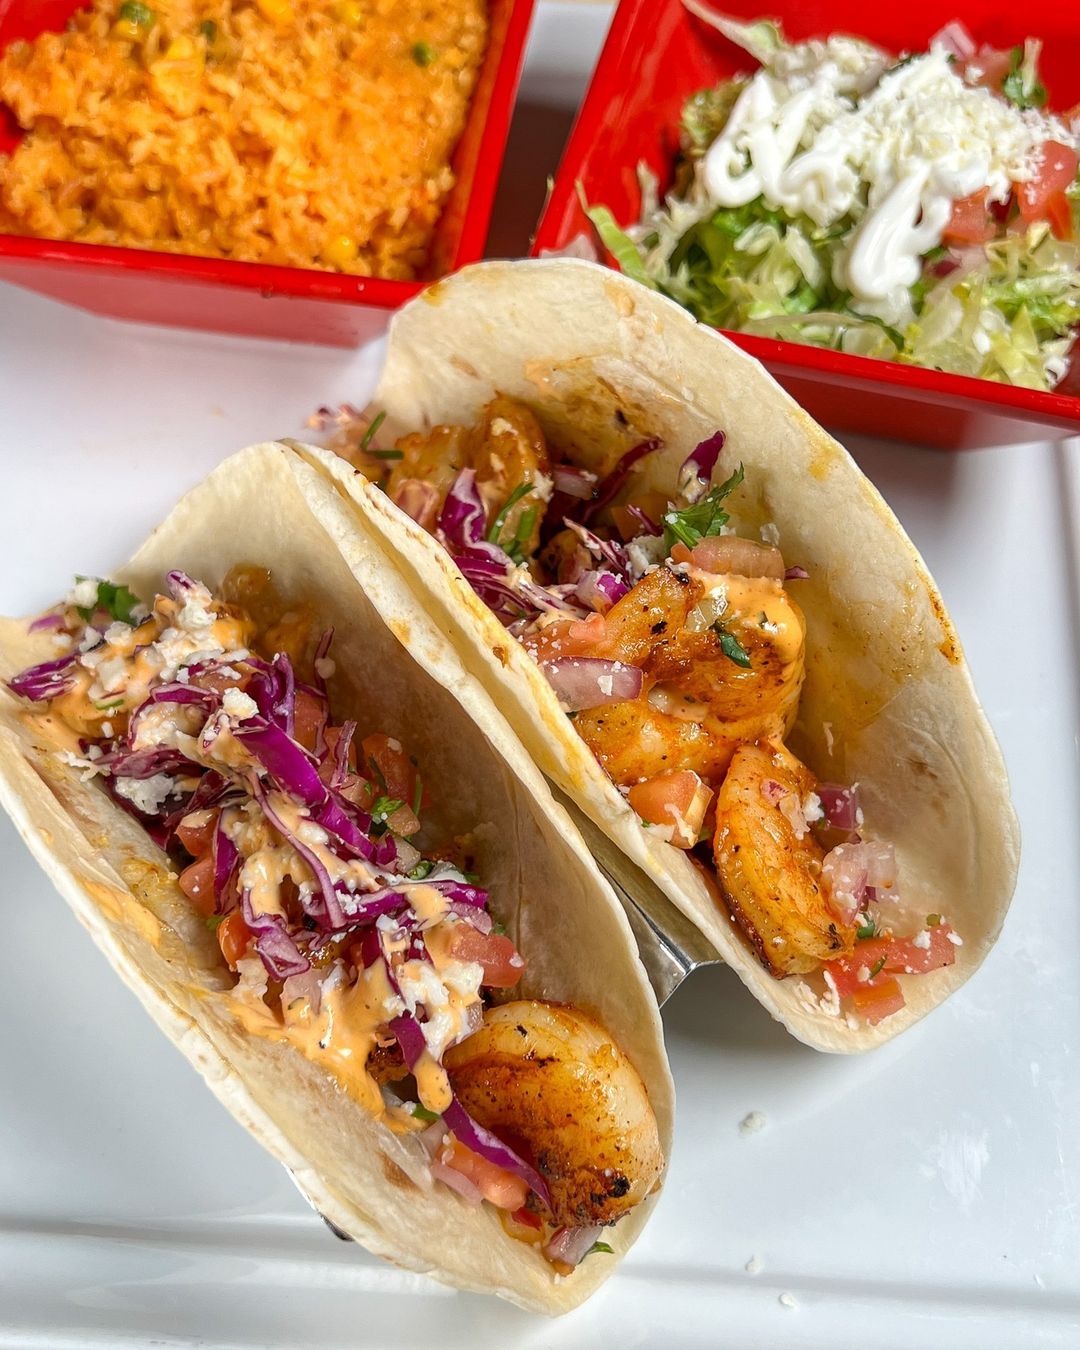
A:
x,y
894,158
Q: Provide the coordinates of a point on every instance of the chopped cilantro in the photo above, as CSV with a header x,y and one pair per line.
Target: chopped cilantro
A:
x,y
731,646
495,529
1022,85
877,967
418,794
423,53
117,601
109,704
932,920
421,870
936,254
499,929
867,929
706,517
373,427
600,1247
208,30
387,454
474,877
384,808
214,921
422,1113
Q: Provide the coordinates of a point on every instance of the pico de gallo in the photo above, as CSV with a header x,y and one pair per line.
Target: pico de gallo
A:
x,y
922,208
677,647
301,843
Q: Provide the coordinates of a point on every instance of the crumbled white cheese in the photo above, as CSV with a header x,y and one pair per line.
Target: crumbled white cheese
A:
x,y
812,808
605,685
955,939
146,794
107,730
324,667
78,762
787,1301
238,704
754,1266
84,593
921,940
90,639
753,1122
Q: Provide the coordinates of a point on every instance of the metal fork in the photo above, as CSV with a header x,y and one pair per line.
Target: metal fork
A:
x,y
668,943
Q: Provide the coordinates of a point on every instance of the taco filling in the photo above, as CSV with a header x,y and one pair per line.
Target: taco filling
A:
x,y
678,650
353,932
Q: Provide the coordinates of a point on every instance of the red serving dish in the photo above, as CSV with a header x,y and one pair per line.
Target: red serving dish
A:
x,y
253,299
657,54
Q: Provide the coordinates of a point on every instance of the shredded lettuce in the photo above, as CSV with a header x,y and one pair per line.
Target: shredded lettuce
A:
x,y
1007,315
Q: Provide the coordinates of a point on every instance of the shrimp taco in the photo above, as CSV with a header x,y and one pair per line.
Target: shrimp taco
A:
x,y
337,883
706,627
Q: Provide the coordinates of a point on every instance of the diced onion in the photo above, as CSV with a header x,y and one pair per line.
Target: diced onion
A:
x,y
588,682
571,1245
849,869
574,482
451,1177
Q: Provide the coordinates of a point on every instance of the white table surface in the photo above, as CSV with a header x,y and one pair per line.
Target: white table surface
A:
x,y
925,1196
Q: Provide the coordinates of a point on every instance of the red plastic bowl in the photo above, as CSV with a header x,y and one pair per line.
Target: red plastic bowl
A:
x,y
252,299
657,54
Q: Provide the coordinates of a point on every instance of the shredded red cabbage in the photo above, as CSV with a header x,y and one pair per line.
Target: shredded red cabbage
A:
x,y
796,574
48,623
701,461
648,525
610,485
483,1142
48,680
275,945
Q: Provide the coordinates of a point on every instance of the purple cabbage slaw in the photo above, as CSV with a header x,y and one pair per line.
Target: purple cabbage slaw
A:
x,y
314,781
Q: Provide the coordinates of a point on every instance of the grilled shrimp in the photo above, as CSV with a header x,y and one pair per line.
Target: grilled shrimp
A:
x,y
551,1080
769,863
723,665
506,448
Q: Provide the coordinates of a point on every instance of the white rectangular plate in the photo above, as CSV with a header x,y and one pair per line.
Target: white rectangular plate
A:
x,y
925,1196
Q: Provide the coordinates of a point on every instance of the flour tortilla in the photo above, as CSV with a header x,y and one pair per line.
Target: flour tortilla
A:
x,y
888,702
267,507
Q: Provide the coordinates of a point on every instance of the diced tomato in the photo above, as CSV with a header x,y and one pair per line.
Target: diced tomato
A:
x,y
567,637
234,937
1043,197
198,837
197,883
678,798
308,717
502,1189
879,999
906,958
1059,214
527,1218
989,66
503,966
971,221
394,768
891,956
